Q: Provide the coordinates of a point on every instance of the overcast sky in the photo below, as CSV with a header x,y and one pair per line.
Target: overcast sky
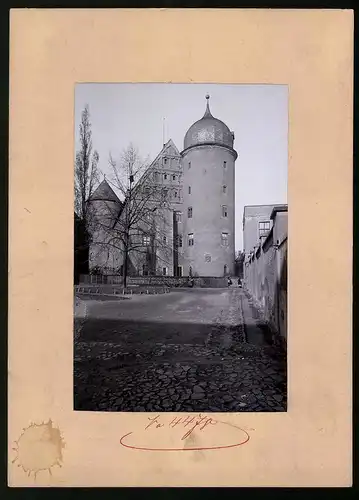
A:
x,y
258,115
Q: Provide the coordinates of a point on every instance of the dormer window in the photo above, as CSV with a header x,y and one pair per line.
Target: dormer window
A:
x,y
264,228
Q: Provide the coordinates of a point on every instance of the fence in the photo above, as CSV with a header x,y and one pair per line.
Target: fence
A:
x,y
168,281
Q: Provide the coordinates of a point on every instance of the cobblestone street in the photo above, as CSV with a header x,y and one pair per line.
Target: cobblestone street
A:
x,y
188,350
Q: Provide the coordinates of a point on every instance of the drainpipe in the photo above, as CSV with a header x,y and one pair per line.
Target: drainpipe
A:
x,y
276,247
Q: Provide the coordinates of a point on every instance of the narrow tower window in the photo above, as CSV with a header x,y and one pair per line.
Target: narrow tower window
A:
x,y
165,176
225,239
224,164
190,240
173,177
189,189
190,211
165,239
189,164
224,189
224,211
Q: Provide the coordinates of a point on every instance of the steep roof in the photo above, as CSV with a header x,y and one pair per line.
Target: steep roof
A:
x,y
104,192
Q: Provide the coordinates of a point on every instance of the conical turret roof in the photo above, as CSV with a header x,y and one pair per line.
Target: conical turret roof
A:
x,y
104,192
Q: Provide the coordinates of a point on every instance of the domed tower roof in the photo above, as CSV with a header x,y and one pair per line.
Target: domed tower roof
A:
x,y
208,130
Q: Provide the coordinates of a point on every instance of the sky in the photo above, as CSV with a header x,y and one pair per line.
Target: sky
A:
x,y
149,114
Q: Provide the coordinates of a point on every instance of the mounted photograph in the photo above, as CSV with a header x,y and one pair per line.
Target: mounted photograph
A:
x,y
180,247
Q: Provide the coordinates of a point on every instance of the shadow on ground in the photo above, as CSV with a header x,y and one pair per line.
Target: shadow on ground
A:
x,y
124,365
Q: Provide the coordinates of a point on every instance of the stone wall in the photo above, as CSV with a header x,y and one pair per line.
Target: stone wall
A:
x,y
208,185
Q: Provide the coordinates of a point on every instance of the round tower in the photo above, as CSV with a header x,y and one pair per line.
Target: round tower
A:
x,y
208,161
104,207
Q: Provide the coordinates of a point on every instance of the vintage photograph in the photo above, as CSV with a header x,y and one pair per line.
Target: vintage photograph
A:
x,y
180,247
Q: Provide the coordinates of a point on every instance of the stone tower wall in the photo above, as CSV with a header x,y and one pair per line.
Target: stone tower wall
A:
x,y
206,177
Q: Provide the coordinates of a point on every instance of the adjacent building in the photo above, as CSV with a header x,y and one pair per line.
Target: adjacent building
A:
x,y
265,232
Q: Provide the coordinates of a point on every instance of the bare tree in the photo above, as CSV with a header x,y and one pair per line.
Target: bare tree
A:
x,y
141,227
87,172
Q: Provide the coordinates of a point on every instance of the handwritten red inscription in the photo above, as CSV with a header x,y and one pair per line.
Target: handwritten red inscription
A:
x,y
181,428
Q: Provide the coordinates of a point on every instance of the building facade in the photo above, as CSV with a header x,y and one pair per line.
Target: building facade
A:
x,y
191,233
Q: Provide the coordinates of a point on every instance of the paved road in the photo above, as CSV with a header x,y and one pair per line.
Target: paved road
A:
x,y
189,350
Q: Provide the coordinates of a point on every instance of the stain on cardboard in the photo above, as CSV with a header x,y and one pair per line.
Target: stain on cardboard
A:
x,y
39,448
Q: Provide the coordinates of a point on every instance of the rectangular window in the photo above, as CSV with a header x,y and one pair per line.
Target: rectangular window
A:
x,y
264,228
189,189
165,176
179,271
165,160
173,177
176,194
179,216
224,189
190,211
224,211
179,241
207,258
189,164
144,270
225,239
164,271
165,239
190,240
146,240
224,164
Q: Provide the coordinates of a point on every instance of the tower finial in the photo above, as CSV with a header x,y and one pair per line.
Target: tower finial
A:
x,y
207,113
